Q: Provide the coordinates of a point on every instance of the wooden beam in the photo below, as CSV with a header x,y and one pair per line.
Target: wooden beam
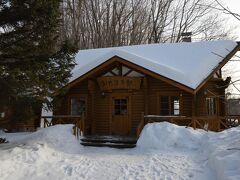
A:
x,y
92,91
146,93
128,72
133,66
194,110
120,70
218,74
113,73
145,71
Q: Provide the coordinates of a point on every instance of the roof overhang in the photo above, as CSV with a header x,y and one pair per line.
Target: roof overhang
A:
x,y
220,65
122,57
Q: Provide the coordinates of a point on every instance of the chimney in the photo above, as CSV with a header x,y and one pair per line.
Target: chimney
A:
x,y
186,36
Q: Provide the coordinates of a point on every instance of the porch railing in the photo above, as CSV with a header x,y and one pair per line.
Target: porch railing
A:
x,y
215,123
77,121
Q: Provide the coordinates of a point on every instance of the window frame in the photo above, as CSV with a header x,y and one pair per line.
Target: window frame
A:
x,y
120,104
170,95
213,111
84,96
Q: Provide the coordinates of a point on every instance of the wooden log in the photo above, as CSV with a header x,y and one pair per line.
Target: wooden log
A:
x,y
141,124
44,122
194,123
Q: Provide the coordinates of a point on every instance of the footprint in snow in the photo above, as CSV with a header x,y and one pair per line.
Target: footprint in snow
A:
x,y
68,170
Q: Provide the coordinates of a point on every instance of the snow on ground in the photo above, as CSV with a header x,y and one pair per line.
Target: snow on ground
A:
x,y
164,151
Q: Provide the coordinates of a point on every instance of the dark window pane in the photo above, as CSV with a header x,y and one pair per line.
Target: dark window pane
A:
x,y
170,105
120,107
117,106
74,107
164,112
82,104
164,99
164,103
78,105
124,101
124,111
117,101
117,111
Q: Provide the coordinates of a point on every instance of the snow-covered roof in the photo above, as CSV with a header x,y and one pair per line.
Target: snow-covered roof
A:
x,y
186,63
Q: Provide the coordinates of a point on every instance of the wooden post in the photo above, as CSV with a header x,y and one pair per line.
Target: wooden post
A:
x,y
91,116
219,123
74,130
194,110
194,123
44,122
145,84
142,118
140,125
83,123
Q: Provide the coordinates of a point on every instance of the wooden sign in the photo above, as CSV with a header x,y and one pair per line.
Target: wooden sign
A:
x,y
118,82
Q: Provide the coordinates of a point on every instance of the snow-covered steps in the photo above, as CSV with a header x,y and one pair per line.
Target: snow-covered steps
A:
x,y
109,141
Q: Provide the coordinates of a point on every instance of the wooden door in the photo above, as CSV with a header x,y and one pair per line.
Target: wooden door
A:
x,y
120,109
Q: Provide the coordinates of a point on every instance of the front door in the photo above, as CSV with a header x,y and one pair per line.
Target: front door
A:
x,y
120,121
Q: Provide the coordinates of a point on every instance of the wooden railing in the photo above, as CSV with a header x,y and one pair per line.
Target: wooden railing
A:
x,y
215,123
77,121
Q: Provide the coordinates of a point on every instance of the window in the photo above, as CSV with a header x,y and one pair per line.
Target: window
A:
x,y
211,105
2,114
175,105
120,106
78,105
169,105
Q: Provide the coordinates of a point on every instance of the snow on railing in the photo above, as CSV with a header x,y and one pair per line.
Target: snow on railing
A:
x,y
76,120
208,123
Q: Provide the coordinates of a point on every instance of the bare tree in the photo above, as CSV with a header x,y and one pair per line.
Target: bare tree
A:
x,y
226,10
107,23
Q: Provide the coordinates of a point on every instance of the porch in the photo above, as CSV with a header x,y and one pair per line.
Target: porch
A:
x,y
83,132
208,123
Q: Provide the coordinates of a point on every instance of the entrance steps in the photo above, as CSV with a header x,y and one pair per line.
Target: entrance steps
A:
x,y
109,141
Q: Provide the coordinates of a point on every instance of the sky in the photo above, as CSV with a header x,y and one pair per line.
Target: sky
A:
x,y
233,68
234,6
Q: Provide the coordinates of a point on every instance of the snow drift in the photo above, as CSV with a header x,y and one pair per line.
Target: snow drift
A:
x,y
166,136
224,153
164,151
222,149
58,137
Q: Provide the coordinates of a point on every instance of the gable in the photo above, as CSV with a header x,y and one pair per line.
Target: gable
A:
x,y
109,65
188,64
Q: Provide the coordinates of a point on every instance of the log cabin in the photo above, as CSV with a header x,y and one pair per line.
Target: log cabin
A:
x,y
118,90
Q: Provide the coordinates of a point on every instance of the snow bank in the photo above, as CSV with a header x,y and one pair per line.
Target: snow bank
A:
x,y
224,153
58,137
222,149
163,150
166,136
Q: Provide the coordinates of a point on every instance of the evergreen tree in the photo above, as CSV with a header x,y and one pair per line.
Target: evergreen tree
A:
x,y
34,63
